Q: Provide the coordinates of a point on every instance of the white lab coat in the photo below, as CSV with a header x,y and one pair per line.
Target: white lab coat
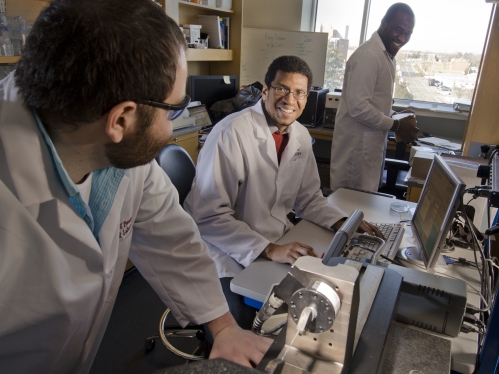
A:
x,y
58,285
363,118
241,195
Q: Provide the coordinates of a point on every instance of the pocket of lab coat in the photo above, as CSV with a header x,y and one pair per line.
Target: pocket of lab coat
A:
x,y
294,176
372,147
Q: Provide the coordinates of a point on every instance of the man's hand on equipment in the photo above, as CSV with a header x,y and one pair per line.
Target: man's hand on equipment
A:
x,y
364,227
370,229
288,253
235,344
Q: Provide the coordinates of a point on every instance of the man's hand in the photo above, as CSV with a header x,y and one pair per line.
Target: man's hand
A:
x,y
407,131
235,344
364,227
370,229
288,253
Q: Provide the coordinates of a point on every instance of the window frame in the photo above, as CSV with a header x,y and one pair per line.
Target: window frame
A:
x,y
402,102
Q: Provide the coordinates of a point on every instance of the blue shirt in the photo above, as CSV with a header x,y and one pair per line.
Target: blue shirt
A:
x,y
105,183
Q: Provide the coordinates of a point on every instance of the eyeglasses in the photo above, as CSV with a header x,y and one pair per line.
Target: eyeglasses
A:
x,y
174,110
298,95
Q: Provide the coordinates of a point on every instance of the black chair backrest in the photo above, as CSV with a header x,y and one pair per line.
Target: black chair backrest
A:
x,y
178,165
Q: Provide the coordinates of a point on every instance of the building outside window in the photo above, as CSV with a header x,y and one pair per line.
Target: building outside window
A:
x,y
439,64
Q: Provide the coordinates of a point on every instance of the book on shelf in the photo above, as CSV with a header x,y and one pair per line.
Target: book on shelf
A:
x,y
211,25
225,22
218,29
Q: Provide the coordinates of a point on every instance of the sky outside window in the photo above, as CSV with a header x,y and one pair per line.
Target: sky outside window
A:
x,y
439,63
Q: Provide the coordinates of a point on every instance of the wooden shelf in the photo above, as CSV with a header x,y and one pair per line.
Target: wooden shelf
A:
x,y
206,7
9,59
209,54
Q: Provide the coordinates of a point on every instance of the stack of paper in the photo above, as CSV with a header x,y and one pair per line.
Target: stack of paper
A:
x,y
200,115
462,105
442,143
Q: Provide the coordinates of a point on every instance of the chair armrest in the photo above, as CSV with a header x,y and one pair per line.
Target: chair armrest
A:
x,y
397,164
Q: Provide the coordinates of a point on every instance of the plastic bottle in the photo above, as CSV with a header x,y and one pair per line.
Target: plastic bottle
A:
x,y
6,48
18,32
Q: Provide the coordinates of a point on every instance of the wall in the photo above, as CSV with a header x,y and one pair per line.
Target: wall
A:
x,y
28,8
262,14
483,124
447,128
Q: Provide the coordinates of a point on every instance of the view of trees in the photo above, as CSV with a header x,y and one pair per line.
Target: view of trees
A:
x,y
401,90
335,67
455,71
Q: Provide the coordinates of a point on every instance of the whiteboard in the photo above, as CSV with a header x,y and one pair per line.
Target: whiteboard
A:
x,y
261,46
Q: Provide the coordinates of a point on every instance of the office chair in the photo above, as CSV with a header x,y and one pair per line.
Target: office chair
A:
x,y
180,168
178,165
395,172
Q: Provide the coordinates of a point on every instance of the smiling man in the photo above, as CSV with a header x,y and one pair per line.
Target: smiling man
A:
x,y
256,166
365,110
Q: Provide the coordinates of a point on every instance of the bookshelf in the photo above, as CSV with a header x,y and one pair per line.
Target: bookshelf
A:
x,y
211,61
209,54
9,59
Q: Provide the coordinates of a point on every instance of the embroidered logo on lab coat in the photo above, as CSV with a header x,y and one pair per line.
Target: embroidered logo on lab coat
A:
x,y
125,228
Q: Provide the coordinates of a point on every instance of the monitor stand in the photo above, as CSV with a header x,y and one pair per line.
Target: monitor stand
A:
x,y
414,258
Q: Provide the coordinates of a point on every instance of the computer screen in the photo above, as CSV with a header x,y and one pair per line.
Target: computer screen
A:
x,y
437,206
209,89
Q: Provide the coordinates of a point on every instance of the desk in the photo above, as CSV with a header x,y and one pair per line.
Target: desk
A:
x,y
376,208
187,138
324,133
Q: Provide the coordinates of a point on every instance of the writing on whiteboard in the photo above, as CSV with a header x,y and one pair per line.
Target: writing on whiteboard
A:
x,y
260,47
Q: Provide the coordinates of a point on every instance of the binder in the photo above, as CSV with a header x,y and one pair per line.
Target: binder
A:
x,y
226,28
211,25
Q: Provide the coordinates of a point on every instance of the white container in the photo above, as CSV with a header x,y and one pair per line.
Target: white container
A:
x,y
212,3
224,4
192,33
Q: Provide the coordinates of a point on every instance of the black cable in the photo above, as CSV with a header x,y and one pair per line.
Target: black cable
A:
x,y
488,291
461,261
373,251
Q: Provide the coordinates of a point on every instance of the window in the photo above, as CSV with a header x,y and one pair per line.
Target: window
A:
x,y
440,62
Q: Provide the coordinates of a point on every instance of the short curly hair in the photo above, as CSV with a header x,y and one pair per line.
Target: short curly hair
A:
x,y
288,64
84,57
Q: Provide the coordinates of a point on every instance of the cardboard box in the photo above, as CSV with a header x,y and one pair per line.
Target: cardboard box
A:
x,y
418,148
421,164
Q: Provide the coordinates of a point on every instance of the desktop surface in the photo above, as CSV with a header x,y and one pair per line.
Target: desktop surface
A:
x,y
376,208
257,279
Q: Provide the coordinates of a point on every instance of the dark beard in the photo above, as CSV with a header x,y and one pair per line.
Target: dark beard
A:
x,y
137,149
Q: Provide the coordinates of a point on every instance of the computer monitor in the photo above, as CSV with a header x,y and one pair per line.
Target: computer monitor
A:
x,y
209,89
440,199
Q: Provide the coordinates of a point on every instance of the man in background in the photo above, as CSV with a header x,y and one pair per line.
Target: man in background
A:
x,y
90,104
365,110
256,166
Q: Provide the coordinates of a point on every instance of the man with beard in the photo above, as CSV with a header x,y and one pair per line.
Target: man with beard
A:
x,y
365,110
256,166
88,107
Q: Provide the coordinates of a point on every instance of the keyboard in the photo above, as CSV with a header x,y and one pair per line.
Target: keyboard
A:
x,y
361,250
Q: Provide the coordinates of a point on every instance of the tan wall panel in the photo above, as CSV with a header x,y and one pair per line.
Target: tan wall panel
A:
x,y
273,14
28,8
483,123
